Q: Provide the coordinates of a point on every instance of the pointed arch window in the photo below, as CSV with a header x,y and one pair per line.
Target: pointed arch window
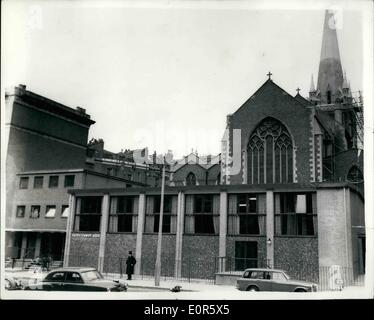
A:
x,y
191,179
270,154
355,175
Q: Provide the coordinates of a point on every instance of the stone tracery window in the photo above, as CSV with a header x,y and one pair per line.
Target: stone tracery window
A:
x,y
270,154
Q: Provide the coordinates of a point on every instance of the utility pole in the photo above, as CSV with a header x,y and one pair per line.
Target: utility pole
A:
x,y
159,239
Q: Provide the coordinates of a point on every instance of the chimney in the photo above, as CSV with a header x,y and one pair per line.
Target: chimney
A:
x,y
81,110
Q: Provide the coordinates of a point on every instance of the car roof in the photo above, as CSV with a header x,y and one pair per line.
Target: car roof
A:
x,y
265,269
77,269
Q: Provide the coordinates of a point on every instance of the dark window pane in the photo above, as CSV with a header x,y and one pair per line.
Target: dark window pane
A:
x,y
90,205
35,212
167,204
309,203
20,211
53,181
191,179
204,203
38,182
24,183
89,222
125,223
69,181
252,204
242,203
165,223
249,224
204,224
125,204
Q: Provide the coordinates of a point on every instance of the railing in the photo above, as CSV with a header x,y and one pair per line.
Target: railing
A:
x,y
234,265
328,278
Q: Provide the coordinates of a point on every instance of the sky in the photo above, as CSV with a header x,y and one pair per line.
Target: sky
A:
x,y
165,74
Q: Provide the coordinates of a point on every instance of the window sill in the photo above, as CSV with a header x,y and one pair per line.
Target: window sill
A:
x,y
247,235
49,217
122,232
295,236
201,234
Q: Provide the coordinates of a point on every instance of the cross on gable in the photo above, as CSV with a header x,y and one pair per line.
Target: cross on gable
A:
x,y
298,90
269,75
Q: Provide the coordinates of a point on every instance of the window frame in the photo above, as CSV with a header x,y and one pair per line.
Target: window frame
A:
x,y
42,182
21,185
24,211
66,179
50,185
31,211
47,209
63,207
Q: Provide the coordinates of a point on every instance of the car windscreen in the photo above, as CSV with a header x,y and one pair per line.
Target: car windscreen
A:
x,y
91,275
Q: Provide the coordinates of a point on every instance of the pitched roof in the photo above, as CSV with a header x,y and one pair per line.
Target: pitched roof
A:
x,y
302,100
273,86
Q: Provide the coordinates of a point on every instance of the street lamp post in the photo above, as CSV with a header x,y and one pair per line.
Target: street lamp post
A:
x,y
159,239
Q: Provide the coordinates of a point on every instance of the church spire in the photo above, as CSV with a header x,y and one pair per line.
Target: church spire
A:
x,y
312,89
330,74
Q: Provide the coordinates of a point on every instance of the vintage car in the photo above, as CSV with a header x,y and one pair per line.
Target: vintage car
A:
x,y
271,280
77,279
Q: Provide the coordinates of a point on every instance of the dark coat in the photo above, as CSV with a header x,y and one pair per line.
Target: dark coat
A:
x,y
130,263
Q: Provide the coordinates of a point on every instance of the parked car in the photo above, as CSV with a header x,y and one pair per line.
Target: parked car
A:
x,y
77,279
255,279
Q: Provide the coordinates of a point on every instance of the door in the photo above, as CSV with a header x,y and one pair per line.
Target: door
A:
x,y
245,255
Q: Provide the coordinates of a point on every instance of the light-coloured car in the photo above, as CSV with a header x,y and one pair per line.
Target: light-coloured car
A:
x,y
256,279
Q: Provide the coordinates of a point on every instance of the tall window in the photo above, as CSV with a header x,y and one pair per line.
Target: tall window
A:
x,y
191,179
295,214
270,154
166,219
247,214
89,216
122,216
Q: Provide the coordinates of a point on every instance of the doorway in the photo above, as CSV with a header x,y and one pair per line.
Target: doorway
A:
x,y
245,255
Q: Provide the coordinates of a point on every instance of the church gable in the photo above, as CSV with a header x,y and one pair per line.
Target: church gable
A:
x,y
271,101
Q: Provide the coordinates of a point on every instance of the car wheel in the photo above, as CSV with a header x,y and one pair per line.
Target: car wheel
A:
x,y
252,288
300,290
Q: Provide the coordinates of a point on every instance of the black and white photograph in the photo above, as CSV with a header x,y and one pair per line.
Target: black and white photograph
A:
x,y
187,150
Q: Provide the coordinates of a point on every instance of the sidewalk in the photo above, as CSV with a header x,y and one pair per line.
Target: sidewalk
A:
x,y
185,286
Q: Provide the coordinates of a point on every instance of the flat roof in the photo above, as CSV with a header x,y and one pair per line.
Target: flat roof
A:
x,y
241,188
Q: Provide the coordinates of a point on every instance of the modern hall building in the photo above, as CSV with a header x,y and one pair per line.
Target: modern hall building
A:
x,y
290,196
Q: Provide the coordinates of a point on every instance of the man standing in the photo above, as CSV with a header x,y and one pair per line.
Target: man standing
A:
x,y
130,263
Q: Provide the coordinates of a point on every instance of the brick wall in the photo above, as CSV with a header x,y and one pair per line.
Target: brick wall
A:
x,y
180,175
297,256
117,248
84,249
149,252
199,256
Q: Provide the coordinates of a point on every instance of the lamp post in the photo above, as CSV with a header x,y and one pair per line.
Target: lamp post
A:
x,y
159,239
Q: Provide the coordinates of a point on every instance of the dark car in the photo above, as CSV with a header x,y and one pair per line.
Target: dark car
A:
x,y
271,280
77,279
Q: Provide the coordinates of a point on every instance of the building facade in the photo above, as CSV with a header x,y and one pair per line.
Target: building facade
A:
x,y
46,155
